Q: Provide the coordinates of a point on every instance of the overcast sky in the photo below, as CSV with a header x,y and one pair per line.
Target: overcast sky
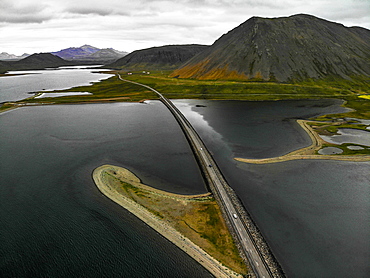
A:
x,y
50,25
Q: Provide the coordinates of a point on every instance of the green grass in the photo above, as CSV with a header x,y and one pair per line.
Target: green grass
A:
x,y
113,89
238,90
200,220
104,90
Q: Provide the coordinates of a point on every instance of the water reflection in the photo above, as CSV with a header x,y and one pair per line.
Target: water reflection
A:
x,y
330,150
349,135
17,87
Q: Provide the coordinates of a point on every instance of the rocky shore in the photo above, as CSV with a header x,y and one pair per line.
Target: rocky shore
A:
x,y
259,241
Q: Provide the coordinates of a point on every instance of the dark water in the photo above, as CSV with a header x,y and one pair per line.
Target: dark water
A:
x,y
314,214
54,222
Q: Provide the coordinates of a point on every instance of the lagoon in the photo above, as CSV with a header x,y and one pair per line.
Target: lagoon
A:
x,y
17,87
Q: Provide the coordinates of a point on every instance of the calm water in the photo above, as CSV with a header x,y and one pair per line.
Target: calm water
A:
x,y
314,214
54,222
14,88
349,135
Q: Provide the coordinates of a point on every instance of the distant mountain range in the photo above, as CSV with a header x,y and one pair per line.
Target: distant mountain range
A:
x,y
83,55
6,56
88,53
163,57
283,49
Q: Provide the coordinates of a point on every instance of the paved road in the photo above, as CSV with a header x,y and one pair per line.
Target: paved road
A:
x,y
218,184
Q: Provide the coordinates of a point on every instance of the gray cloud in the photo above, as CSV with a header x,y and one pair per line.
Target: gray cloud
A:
x,y
90,10
102,10
28,18
134,24
14,12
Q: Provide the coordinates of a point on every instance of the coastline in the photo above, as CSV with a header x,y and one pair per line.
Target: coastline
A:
x,y
307,152
161,226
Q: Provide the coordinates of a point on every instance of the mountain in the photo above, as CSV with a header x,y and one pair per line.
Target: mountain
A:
x,y
90,54
34,62
283,49
76,52
108,53
163,57
105,56
6,56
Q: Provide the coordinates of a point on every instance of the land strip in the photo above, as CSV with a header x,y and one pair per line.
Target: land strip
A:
x,y
111,179
261,259
307,152
174,88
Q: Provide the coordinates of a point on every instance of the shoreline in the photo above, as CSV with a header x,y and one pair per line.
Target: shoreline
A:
x,y
159,225
307,152
16,105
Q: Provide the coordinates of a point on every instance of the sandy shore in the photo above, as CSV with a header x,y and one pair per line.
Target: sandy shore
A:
x,y
308,152
161,226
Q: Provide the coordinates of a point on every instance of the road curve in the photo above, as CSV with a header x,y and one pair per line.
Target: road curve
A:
x,y
218,186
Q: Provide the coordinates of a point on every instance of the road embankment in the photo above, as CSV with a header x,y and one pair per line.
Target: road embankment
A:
x,y
155,222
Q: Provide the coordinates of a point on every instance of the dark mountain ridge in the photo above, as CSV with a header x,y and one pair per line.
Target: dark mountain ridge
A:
x,y
163,57
34,62
283,49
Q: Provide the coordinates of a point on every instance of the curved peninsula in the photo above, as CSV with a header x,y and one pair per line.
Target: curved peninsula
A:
x,y
307,152
192,222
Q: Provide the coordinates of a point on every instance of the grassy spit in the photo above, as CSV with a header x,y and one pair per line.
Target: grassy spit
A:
x,y
196,217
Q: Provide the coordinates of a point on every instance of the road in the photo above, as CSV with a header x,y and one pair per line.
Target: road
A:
x,y
217,184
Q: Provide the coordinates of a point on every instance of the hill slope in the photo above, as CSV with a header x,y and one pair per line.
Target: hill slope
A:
x,y
283,49
163,57
34,62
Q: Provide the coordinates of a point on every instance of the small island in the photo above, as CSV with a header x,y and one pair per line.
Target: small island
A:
x,y
194,223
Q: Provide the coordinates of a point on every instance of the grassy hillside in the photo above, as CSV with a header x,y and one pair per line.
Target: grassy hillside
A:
x,y
286,49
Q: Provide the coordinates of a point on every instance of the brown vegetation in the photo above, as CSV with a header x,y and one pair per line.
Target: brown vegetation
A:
x,y
197,217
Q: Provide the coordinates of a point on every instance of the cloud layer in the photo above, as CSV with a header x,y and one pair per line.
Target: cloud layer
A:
x,y
49,25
